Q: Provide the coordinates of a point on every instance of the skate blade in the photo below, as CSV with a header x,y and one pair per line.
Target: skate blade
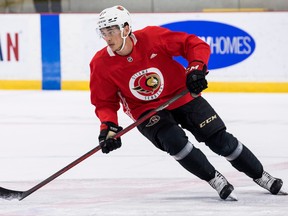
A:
x,y
232,197
283,192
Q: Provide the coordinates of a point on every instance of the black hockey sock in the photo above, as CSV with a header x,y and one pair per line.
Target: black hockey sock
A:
x,y
197,163
248,163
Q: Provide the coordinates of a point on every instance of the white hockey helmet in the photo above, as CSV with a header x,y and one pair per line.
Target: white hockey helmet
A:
x,y
116,15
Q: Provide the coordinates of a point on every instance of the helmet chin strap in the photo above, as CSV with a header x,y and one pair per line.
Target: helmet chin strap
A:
x,y
124,39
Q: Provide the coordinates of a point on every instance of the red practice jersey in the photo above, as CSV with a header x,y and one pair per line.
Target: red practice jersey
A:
x,y
147,77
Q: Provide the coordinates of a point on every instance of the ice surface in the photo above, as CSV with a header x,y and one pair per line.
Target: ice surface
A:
x,y
43,131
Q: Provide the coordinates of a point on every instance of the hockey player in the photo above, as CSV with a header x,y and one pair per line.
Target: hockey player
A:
x,y
138,70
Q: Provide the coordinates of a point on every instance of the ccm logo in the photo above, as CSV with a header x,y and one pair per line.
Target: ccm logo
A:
x,y
207,121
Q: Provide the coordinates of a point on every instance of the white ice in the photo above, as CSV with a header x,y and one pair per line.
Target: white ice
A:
x,y
43,131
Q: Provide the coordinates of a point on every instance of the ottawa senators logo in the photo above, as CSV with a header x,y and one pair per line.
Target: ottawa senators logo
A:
x,y
147,84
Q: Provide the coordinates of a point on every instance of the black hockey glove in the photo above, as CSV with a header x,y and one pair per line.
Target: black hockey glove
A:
x,y
195,77
106,141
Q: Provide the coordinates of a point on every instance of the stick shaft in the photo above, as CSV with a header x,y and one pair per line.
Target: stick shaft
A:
x,y
60,172
151,113
6,193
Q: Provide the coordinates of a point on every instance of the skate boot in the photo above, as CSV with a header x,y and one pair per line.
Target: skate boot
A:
x,y
273,185
223,187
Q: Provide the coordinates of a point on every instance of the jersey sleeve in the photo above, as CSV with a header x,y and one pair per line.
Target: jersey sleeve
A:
x,y
103,94
189,46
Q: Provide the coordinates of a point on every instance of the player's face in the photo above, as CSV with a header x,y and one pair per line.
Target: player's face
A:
x,y
112,36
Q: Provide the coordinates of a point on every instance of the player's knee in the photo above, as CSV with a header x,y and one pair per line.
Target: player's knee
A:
x,y
173,140
225,144
184,151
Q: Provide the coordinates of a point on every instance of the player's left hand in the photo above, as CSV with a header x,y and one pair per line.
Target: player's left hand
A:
x,y
106,140
195,77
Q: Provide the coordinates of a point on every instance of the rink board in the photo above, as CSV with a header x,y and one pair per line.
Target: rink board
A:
x,y
248,48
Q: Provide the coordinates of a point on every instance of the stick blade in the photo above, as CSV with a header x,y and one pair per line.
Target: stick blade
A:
x,y
10,194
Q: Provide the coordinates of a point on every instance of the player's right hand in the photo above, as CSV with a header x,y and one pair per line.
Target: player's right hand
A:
x,y
106,140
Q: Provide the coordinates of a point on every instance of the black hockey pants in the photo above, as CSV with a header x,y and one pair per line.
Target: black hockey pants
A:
x,y
165,131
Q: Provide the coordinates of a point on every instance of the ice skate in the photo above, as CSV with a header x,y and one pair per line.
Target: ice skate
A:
x,y
223,187
272,184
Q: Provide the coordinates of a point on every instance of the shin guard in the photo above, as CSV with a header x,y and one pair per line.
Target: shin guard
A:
x,y
245,161
193,160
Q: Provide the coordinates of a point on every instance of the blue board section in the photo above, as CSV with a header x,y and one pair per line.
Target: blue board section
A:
x,y
50,43
229,45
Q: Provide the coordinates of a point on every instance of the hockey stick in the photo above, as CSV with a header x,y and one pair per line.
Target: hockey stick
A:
x,y
20,195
